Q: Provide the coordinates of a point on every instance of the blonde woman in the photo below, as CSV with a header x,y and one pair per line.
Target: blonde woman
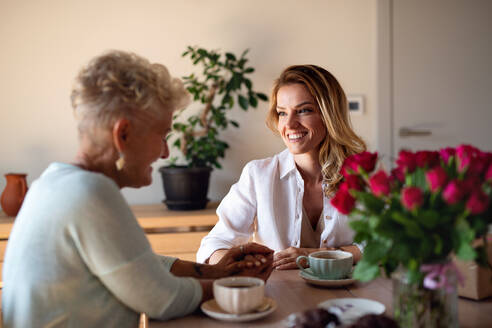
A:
x,y
76,255
284,201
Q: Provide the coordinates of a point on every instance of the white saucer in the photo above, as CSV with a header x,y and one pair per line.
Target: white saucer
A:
x,y
212,309
349,310
312,279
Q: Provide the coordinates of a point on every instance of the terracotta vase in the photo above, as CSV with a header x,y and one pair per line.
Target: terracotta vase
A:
x,y
14,193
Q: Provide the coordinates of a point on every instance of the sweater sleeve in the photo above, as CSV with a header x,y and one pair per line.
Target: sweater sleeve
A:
x,y
116,250
146,286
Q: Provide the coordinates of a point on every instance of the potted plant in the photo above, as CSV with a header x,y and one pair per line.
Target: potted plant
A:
x,y
432,205
222,83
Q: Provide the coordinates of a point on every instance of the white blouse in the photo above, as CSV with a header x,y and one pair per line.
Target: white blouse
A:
x,y
271,191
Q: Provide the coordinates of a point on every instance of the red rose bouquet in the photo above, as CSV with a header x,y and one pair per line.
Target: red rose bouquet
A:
x,y
431,205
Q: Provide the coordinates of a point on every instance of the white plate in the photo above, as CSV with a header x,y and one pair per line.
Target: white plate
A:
x,y
212,309
312,279
349,310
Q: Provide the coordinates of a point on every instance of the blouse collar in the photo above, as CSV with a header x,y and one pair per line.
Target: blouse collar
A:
x,y
286,163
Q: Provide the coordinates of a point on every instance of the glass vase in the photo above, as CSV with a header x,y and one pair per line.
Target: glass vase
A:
x,y
416,306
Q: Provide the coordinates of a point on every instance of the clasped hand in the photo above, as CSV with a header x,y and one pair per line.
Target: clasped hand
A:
x,y
250,259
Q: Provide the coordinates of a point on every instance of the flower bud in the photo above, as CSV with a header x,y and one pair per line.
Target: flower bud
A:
x,y
478,202
379,183
465,154
406,161
411,198
427,159
436,178
353,182
453,192
343,200
446,154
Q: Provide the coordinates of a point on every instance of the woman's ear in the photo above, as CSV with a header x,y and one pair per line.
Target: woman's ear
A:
x,y
121,130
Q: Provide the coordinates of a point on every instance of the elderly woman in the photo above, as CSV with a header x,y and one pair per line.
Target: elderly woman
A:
x,y
76,253
284,201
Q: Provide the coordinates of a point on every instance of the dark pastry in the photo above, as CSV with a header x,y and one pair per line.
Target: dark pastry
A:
x,y
315,318
374,321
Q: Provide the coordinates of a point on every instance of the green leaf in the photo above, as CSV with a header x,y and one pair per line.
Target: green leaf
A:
x,y
230,56
375,251
466,252
362,237
413,265
359,225
479,224
229,86
374,221
245,52
418,179
262,96
248,83
231,102
464,232
401,251
243,102
365,271
226,99
202,52
253,101
370,201
236,80
428,218
236,124
438,244
241,62
414,275
411,227
249,70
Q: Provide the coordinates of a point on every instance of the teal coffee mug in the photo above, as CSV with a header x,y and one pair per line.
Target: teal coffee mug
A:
x,y
328,264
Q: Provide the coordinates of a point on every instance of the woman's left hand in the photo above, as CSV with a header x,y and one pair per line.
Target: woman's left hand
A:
x,y
286,259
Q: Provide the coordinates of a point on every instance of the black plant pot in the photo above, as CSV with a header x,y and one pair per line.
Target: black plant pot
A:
x,y
185,188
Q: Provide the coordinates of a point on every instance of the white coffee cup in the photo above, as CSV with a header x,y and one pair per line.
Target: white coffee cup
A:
x,y
239,295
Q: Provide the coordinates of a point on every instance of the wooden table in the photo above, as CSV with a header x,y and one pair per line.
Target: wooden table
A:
x,y
293,294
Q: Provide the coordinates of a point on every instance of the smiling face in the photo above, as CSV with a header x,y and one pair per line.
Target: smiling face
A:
x,y
299,120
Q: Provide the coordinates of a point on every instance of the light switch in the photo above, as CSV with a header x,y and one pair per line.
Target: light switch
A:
x,y
355,104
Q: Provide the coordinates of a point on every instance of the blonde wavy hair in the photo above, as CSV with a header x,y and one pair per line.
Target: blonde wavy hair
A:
x,y
341,140
123,84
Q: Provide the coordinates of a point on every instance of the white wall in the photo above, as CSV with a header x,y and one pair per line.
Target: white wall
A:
x,y
44,43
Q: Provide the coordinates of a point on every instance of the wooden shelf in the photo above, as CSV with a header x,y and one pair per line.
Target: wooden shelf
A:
x,y
156,218
153,218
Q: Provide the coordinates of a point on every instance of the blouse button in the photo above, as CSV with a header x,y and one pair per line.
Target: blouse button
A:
x,y
328,217
325,241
